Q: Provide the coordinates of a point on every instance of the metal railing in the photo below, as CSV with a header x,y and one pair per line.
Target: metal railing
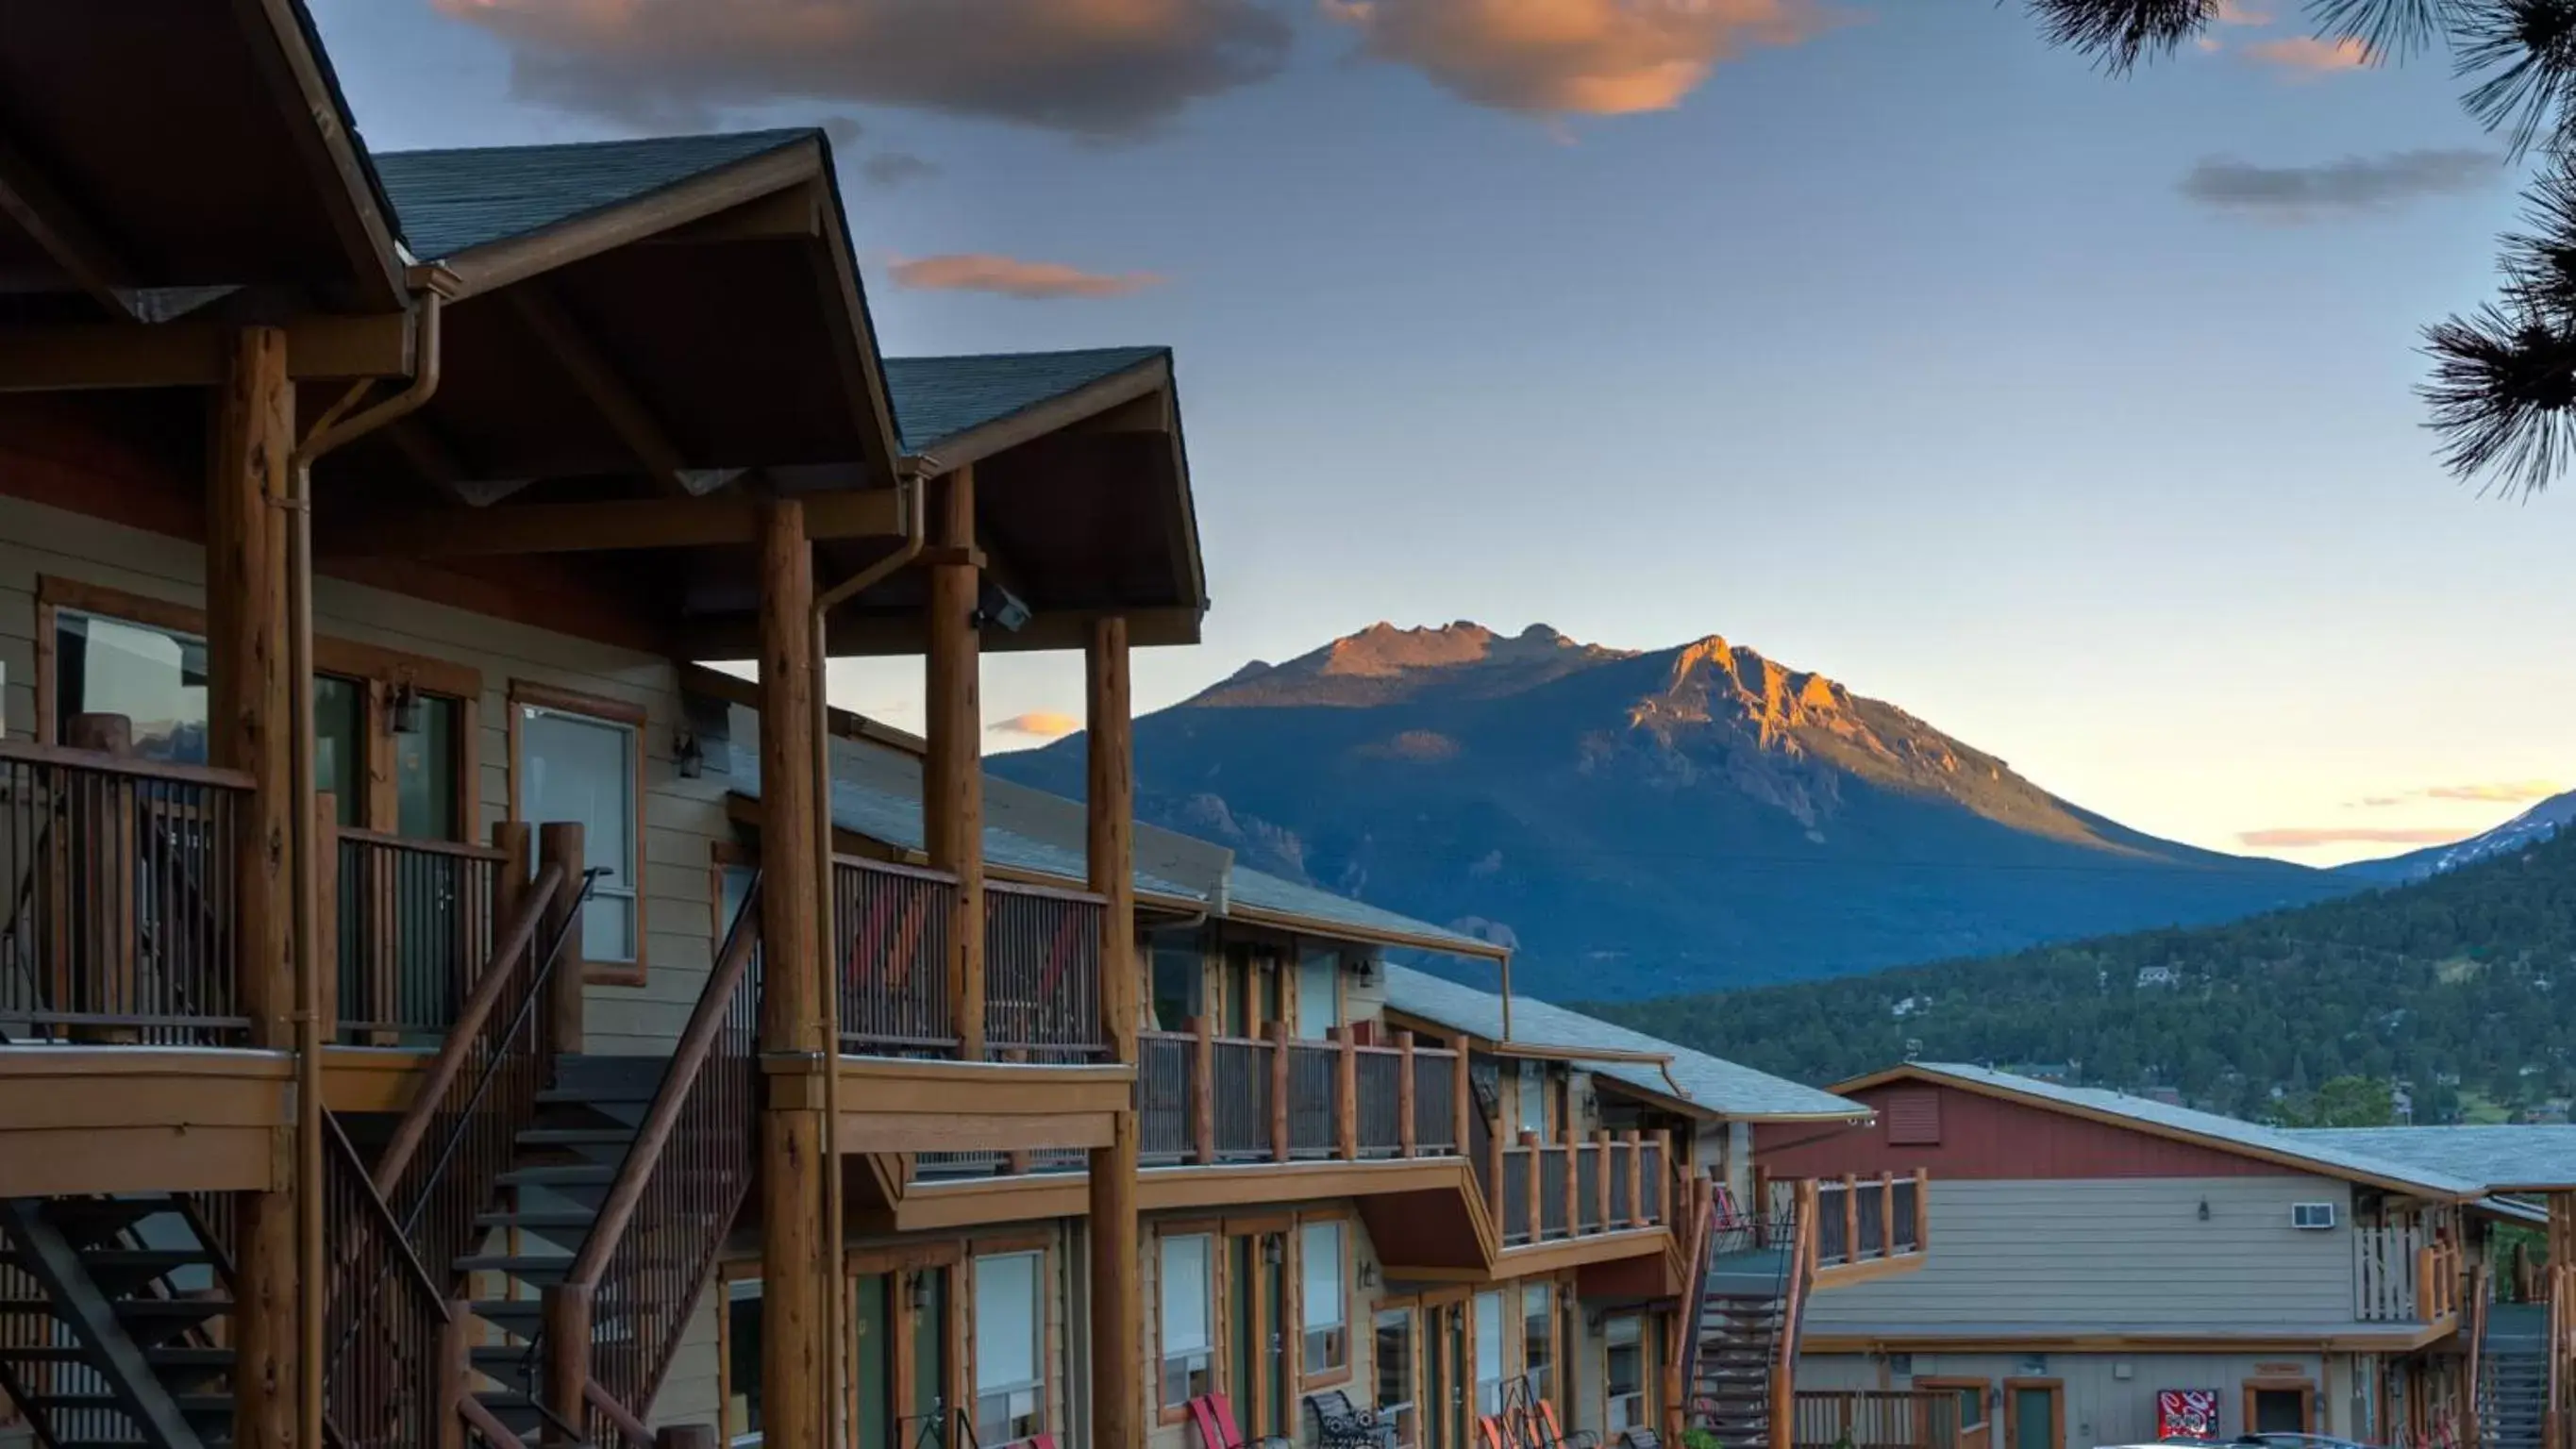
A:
x,y
1166,1127
1591,1205
1314,1097
1378,1073
1599,1185
1435,1101
1518,1164
1555,1166
1875,1419
385,1320
894,922
1241,1086
1865,1219
415,923
120,923
664,1222
1042,974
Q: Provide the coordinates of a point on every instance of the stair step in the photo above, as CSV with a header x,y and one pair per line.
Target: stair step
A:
x,y
538,1218
577,1137
510,1315
532,1269
561,1174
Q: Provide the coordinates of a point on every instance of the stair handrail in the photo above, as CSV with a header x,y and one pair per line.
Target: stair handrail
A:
x,y
680,1090
2477,1327
1793,1307
424,1321
479,1005
1703,1240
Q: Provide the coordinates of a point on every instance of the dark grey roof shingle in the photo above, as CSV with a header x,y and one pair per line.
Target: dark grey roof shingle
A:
x,y
452,201
937,398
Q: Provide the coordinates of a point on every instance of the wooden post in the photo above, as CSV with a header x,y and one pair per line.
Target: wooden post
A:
x,y
1922,1210
1636,1179
1534,1187
250,711
1346,1095
797,1245
559,842
1404,1104
1462,1098
1851,1218
567,1310
1117,1305
1573,1170
326,891
1887,1214
1203,1090
455,1371
953,767
1279,1081
1601,1178
511,877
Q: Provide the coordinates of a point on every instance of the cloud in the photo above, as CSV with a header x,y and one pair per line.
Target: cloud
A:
x,y
1037,724
1011,277
2306,56
894,168
2237,12
1097,68
2300,837
2352,186
2499,792
1572,57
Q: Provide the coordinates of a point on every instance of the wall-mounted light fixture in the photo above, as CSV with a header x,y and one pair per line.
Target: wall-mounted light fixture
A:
x,y
1368,1274
1271,1249
686,752
918,1291
2204,1210
406,713
1000,608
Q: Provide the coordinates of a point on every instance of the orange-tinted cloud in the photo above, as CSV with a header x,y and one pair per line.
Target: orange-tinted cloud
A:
x,y
2500,792
1037,724
1572,57
1011,277
2301,837
2238,12
1094,67
2306,55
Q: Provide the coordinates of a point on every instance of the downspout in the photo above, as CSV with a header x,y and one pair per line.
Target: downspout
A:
x,y
912,498
339,425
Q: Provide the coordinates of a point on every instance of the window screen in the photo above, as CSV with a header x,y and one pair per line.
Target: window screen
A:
x,y
1188,1315
1326,1315
1009,1322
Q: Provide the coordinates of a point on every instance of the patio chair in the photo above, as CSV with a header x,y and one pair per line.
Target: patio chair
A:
x,y
1640,1437
1214,1417
1341,1425
1544,1432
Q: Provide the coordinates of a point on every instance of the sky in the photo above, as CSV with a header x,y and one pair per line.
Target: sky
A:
x,y
2072,413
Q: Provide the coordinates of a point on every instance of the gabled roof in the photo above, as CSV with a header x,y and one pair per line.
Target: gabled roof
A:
x,y
1720,1087
940,399
2281,1146
452,201
1256,893
2519,1158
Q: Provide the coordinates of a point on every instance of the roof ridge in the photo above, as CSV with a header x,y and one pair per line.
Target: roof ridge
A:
x,y
782,135
1158,348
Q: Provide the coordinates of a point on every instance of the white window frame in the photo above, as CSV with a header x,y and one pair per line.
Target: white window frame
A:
x,y
1034,1388
626,882
1489,1335
1545,1293
1318,970
1332,1355
1194,1359
1623,1411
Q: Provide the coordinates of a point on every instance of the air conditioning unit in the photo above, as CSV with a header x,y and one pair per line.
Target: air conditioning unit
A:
x,y
2312,1217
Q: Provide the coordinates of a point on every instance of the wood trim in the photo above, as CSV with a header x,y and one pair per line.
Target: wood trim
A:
x,y
2304,1387
1214,1231
526,694
1844,1275
1862,1343
1343,1217
2056,1412
1050,1379
902,1257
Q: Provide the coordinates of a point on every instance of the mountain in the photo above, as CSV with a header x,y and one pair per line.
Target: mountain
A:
x,y
2527,829
1640,823
2461,986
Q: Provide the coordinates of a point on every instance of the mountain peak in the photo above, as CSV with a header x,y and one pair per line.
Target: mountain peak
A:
x,y
1385,661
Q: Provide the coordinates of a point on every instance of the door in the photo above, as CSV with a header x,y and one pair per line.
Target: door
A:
x,y
2035,1413
929,1422
1257,1333
1970,1395
2281,1408
1444,1378
872,1361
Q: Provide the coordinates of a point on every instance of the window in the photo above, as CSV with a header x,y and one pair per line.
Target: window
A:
x,y
1623,1382
1395,1371
1178,979
425,756
1189,1318
578,766
741,1362
154,677
1538,1339
1489,1353
1531,1096
1009,1321
1326,1305
1319,1007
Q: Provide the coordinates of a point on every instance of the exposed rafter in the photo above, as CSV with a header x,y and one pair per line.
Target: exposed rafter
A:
x,y
76,246
191,353
610,392
528,528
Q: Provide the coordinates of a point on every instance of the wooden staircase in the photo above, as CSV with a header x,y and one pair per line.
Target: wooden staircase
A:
x,y
2513,1377
112,1317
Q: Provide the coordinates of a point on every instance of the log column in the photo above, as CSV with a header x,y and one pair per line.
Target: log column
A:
x,y
1117,1315
953,783
250,711
795,1377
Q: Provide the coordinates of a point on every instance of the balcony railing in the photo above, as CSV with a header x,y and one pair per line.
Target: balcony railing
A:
x,y
1041,967
2404,1275
1204,1099
414,921
120,922
1865,1219
1604,1184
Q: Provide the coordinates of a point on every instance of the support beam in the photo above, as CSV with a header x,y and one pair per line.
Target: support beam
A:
x,y
609,391
103,355
249,727
953,772
1117,1312
30,199
526,528
797,1245
866,635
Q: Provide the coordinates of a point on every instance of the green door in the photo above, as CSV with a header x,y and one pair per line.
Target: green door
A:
x,y
872,1362
1241,1330
930,1360
1281,1418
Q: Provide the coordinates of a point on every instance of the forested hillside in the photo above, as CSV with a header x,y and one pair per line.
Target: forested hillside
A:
x,y
2462,986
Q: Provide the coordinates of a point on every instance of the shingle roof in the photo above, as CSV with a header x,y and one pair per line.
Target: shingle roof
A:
x,y
1265,892
452,201
2335,1159
1721,1086
938,398
2500,1157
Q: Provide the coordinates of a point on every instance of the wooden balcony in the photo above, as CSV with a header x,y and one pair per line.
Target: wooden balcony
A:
x,y
2403,1275
1866,1227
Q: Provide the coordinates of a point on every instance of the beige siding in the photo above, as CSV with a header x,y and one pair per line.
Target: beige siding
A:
x,y
2110,1398
690,1391
2091,1254
682,818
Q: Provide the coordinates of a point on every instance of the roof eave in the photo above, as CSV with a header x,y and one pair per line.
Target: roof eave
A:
x,y
1346,931
1047,415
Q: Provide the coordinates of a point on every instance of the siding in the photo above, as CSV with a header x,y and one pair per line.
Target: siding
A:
x,y
1987,1137
682,818
2109,1398
2087,1255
